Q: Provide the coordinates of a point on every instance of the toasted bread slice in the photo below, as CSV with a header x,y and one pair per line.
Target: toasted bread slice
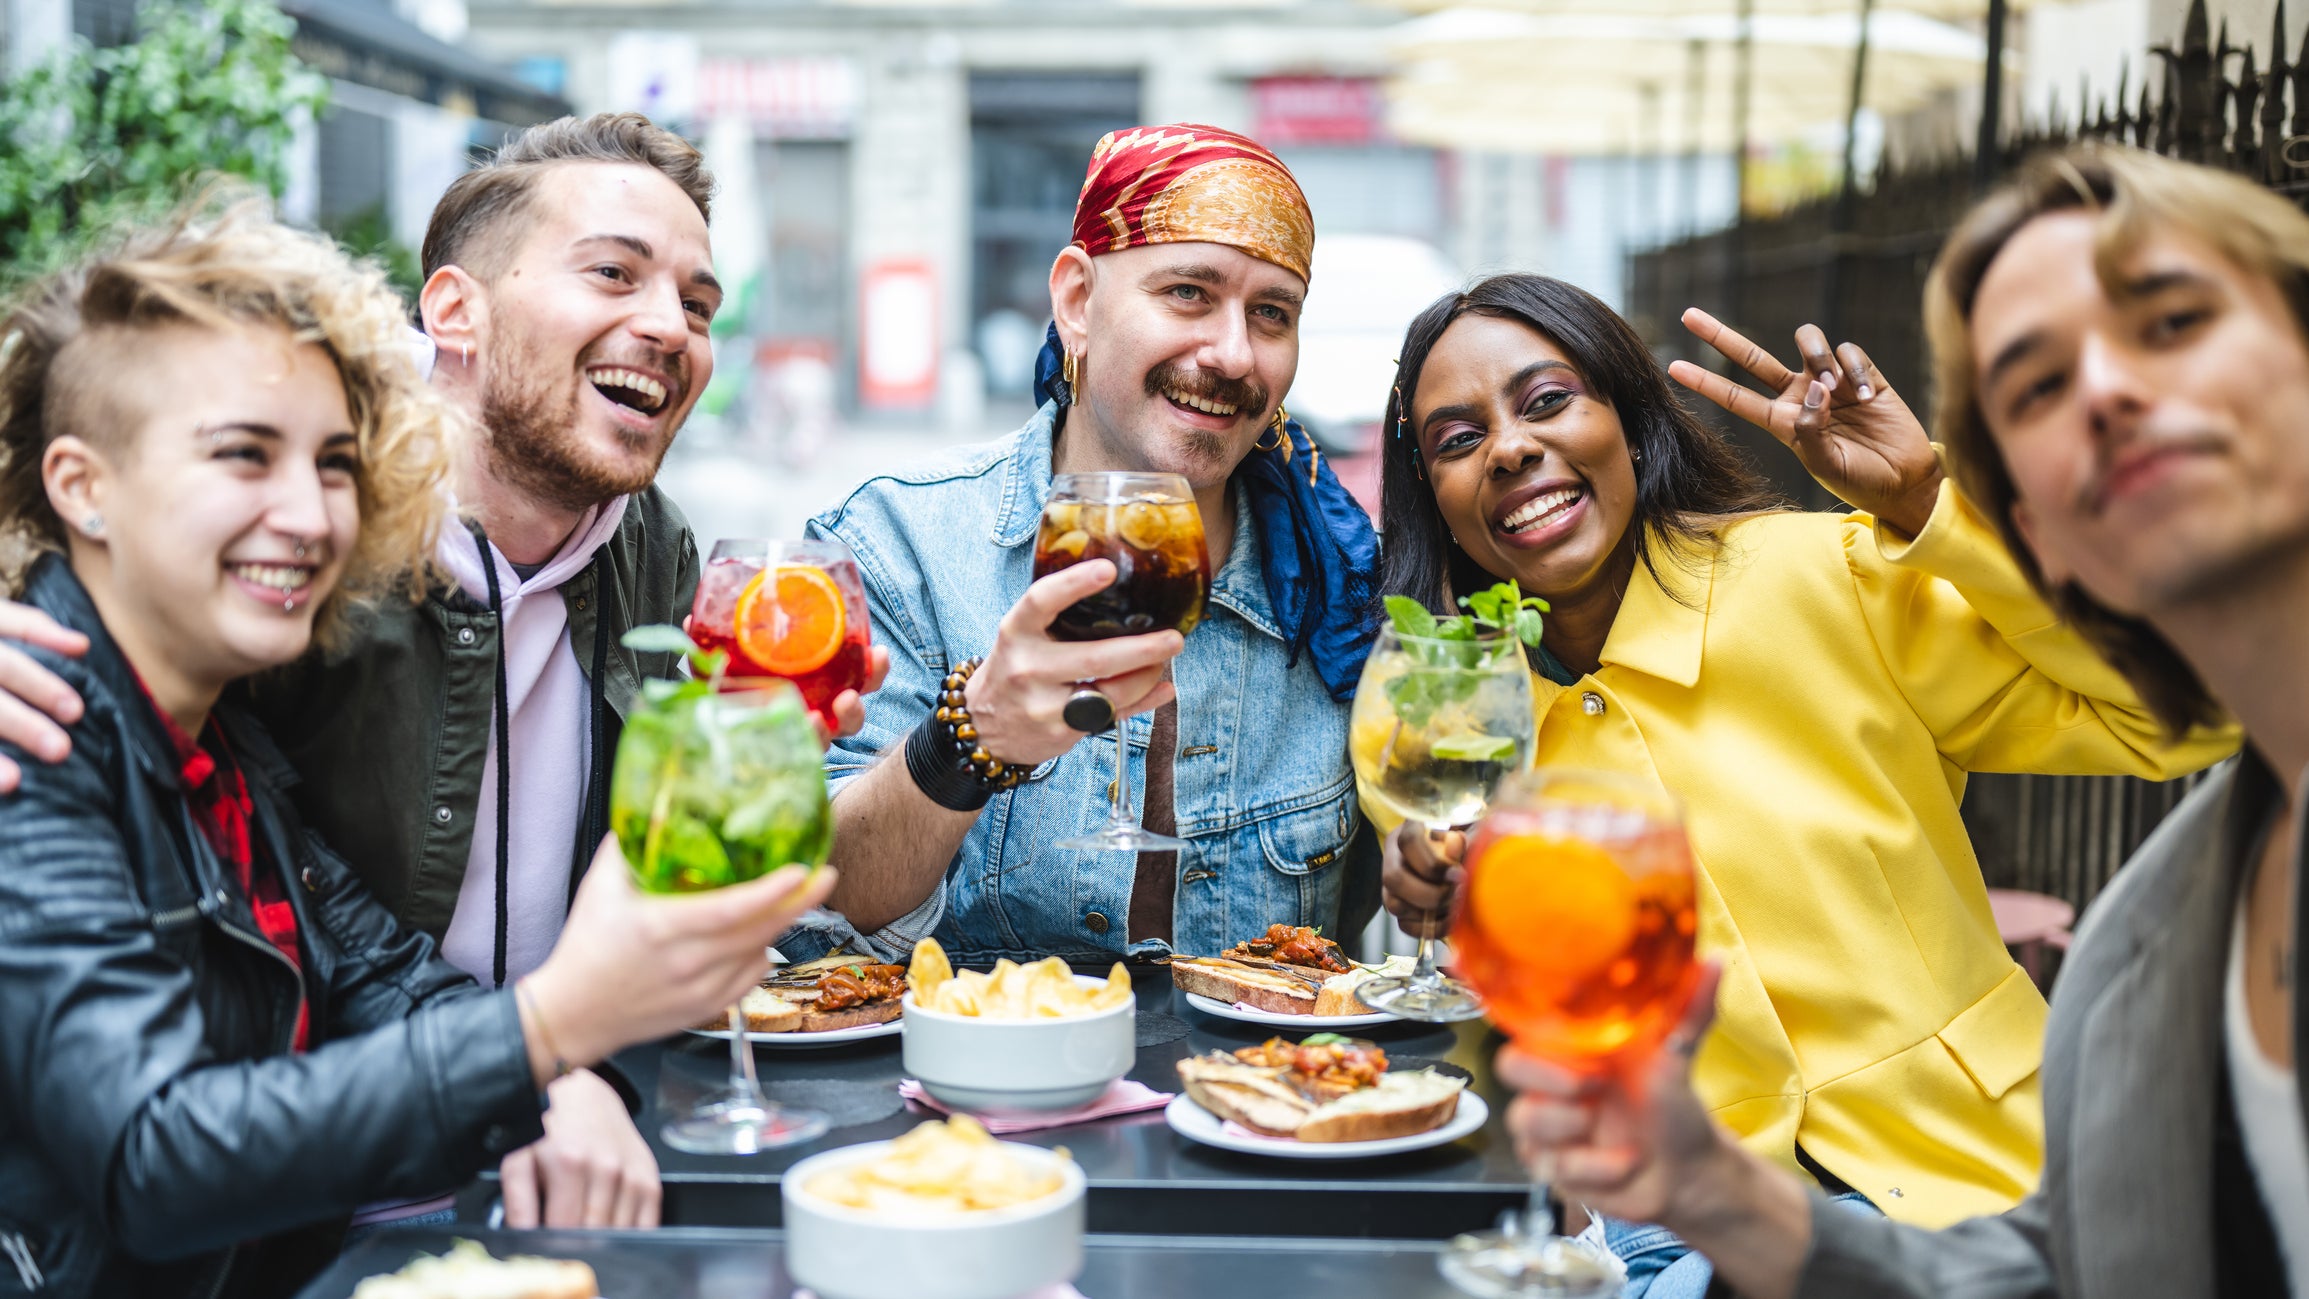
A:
x,y
1337,995
1245,1094
879,1011
1402,1104
767,1012
468,1271
1278,991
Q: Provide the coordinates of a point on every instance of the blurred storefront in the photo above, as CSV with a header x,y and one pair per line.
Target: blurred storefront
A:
x,y
914,199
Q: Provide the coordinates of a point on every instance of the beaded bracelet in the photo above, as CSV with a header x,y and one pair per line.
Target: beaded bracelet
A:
x,y
944,756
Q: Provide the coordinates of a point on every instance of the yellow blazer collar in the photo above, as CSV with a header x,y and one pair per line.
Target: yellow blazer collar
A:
x,y
1661,630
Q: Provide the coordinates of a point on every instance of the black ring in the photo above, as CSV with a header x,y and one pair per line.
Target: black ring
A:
x,y
1088,711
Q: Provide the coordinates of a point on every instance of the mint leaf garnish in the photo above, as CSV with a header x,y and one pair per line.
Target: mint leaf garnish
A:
x,y
1410,617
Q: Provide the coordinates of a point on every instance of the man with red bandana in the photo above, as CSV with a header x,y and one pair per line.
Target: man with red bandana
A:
x,y
1175,336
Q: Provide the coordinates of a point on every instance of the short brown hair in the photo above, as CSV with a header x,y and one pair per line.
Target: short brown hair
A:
x,y
2133,192
223,263
470,220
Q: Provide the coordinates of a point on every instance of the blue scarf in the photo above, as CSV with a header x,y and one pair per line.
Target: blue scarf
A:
x,y
1322,559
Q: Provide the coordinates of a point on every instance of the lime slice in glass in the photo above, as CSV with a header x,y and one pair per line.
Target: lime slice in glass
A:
x,y
1473,748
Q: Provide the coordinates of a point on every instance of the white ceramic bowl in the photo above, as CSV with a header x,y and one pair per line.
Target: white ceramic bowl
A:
x,y
1020,1064
846,1253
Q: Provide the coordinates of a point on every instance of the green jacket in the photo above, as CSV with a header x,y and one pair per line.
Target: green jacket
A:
x,y
389,732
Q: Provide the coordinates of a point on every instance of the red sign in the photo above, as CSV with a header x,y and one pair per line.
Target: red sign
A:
x,y
1316,110
898,335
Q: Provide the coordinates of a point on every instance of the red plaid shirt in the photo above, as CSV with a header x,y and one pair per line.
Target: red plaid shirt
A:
x,y
221,804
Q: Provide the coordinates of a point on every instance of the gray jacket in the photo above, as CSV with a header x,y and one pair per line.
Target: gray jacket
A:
x,y
2146,1192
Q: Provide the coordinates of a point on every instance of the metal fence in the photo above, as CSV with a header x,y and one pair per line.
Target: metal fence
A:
x,y
1859,273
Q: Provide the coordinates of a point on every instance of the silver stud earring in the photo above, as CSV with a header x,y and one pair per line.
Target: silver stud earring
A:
x,y
93,525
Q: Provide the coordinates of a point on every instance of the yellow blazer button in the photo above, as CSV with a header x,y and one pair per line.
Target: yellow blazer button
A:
x,y
1591,703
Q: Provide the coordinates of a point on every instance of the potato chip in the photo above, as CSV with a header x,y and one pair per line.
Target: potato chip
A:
x,y
937,1169
1044,990
927,970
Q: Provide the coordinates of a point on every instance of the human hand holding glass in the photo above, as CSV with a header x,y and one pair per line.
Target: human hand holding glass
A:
x,y
1437,724
1578,926
1148,527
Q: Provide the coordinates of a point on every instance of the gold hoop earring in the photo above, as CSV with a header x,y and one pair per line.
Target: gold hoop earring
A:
x,y
1071,370
1275,426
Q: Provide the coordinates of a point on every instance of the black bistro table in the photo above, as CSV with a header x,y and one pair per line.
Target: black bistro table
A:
x,y
715,1263
1144,1179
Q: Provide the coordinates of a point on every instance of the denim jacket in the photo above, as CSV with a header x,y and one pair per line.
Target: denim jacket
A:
x,y
1263,791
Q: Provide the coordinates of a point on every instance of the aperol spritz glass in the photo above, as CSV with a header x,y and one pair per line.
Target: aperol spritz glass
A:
x,y
1577,925
1148,525
1438,723
785,610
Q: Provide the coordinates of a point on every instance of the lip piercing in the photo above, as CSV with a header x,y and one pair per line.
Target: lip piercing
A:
x,y
301,549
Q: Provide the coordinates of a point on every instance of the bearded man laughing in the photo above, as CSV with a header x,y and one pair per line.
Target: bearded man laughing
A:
x,y
1173,342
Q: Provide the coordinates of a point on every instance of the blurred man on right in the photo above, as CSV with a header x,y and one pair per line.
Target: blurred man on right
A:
x,y
2123,353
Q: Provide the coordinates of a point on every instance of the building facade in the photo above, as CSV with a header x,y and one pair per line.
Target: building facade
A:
x,y
915,168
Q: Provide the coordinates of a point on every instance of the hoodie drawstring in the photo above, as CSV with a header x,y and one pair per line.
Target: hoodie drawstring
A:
x,y
504,756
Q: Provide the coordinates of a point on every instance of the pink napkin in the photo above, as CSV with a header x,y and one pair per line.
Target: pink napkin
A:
x,y
1122,1096
1062,1290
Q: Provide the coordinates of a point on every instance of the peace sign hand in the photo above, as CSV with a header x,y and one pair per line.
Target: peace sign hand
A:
x,y
1850,430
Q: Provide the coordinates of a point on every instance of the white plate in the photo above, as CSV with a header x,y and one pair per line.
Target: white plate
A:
x,y
811,1041
1195,1123
1227,1010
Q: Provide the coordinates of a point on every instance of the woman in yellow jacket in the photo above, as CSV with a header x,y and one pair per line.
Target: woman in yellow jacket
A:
x,y
1814,688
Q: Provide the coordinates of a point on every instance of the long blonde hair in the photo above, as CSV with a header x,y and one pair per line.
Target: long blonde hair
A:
x,y
2134,193
223,263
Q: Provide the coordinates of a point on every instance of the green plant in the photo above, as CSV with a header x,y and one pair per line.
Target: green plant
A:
x,y
99,136
1447,651
369,233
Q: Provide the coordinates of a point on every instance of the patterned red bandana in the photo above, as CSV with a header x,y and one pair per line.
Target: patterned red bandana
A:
x,y
1189,184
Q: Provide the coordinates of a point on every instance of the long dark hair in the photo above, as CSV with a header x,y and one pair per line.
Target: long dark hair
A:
x,y
1688,480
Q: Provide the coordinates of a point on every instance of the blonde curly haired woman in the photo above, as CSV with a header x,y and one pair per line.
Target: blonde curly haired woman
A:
x,y
214,1044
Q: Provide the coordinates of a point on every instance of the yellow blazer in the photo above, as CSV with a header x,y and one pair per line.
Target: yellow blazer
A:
x,y
1815,699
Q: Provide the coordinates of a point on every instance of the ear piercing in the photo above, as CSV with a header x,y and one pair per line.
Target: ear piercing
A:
x,y
92,526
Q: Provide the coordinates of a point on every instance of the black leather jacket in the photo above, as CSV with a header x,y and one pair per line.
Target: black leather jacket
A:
x,y
155,1128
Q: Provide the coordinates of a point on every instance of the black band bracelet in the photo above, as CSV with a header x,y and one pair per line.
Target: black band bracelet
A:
x,y
944,757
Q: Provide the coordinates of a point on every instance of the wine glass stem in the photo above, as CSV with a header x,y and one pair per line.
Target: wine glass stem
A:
x,y
1119,812
1423,971
1539,1214
742,1079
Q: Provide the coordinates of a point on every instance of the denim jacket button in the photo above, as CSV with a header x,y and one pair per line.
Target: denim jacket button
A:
x,y
1097,922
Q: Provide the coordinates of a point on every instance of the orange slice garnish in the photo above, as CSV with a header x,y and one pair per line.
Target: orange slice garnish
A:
x,y
790,619
1561,907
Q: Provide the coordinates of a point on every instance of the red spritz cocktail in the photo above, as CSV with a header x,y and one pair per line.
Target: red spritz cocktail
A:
x,y
793,610
1577,925
1577,921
